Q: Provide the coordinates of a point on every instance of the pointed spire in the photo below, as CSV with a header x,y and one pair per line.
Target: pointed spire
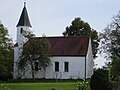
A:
x,y
24,19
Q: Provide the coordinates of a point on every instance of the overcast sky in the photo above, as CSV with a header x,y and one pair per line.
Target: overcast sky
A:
x,y
50,17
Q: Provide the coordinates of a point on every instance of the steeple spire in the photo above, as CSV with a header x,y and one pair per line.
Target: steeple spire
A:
x,y
24,19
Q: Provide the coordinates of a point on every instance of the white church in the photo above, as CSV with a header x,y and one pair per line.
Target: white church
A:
x,y
71,57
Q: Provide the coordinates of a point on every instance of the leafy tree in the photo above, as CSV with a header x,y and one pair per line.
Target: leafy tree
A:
x,y
100,81
110,39
115,67
35,54
80,28
6,54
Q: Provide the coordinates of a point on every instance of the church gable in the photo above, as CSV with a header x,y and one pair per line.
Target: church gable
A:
x,y
68,46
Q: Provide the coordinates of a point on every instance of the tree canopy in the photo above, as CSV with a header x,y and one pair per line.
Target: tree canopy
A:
x,y
6,54
80,28
110,39
36,54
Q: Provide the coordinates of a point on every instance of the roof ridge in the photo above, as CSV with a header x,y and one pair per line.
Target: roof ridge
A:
x,y
64,37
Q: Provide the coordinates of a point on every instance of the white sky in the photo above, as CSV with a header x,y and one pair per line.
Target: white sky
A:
x,y
50,17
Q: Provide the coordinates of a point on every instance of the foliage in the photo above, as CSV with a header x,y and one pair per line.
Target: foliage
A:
x,y
110,39
115,68
80,28
83,85
6,54
35,51
100,81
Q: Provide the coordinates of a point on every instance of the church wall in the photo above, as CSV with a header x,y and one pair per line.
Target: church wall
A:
x,y
76,68
22,31
89,61
15,62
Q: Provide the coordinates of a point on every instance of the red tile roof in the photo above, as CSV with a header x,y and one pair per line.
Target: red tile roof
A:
x,y
68,46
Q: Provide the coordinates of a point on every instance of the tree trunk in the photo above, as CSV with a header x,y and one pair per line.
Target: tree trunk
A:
x,y
44,72
33,76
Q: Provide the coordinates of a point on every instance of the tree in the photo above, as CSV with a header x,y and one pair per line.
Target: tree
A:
x,y
6,54
100,81
110,39
115,69
35,54
80,28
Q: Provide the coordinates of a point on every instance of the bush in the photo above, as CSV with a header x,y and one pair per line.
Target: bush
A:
x,y
6,78
100,81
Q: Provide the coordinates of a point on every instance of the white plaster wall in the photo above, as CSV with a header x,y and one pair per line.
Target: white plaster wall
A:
x,y
17,50
15,61
76,68
89,61
20,37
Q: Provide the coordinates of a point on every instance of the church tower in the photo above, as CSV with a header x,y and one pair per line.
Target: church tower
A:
x,y
23,29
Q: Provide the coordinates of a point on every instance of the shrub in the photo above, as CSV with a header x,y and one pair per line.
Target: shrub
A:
x,y
100,81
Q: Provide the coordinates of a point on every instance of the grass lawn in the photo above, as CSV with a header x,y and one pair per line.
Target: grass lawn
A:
x,y
39,86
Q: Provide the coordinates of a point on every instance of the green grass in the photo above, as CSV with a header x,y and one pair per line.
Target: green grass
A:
x,y
43,85
39,86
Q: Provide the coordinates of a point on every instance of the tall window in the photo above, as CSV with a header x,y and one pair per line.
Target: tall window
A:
x,y
36,66
66,66
56,66
21,31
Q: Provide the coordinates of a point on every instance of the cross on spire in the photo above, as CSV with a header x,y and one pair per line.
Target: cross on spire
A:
x,y
24,2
